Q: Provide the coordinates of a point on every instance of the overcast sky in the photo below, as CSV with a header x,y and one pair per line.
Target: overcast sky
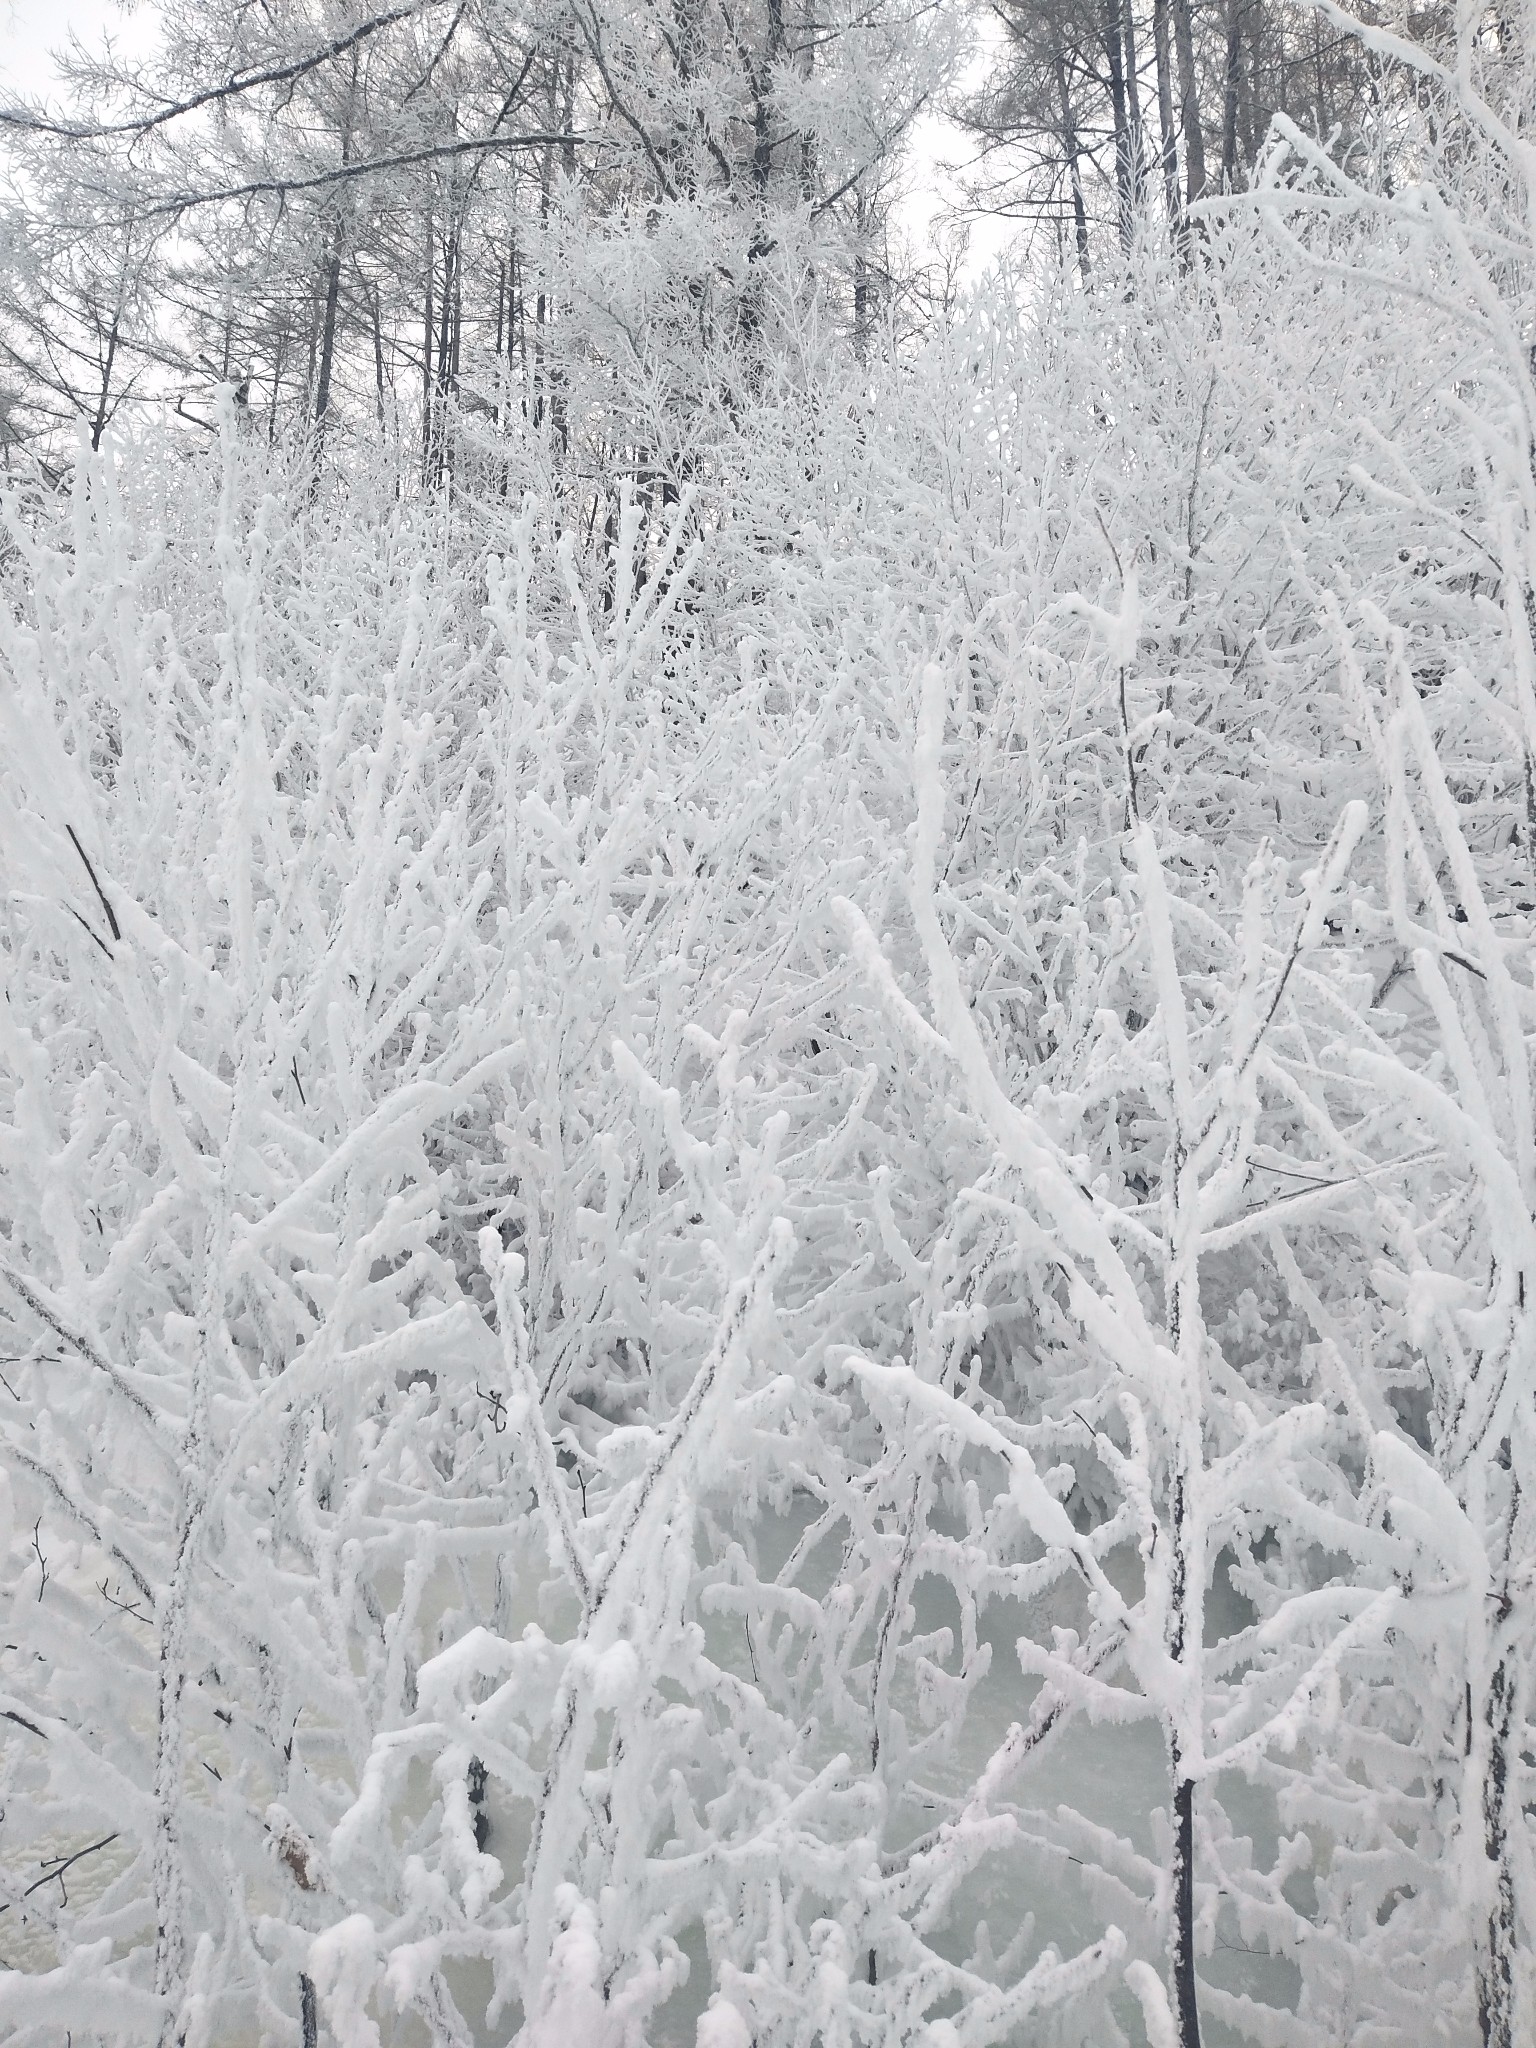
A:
x,y
31,29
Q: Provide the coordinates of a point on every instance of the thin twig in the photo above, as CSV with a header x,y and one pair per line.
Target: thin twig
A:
x,y
79,920
58,1867
123,1606
100,892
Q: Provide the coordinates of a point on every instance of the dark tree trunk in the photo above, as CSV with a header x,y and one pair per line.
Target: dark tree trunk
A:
x,y
1073,152
443,384
428,331
1125,196
805,62
1189,101
762,98
1168,155
279,363
558,417
104,405
1133,106
1185,2000
328,329
1499,1946
1183,1641
1232,78
376,308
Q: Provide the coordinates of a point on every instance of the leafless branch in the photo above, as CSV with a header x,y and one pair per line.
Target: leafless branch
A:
x,y
433,152
31,123
101,894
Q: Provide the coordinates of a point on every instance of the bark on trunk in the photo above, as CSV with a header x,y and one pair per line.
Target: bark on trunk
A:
x,y
448,304
1133,106
1125,201
1186,1582
1168,155
328,330
428,332
1186,2004
376,309
1498,1947
1073,153
1232,78
104,406
1189,101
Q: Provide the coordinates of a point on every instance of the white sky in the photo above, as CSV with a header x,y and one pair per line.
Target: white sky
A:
x,y
32,30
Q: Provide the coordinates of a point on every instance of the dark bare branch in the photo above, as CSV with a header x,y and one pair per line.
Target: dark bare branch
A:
x,y
31,123
434,152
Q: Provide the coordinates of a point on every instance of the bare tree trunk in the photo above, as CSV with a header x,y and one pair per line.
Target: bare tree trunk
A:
x,y
1125,198
1168,154
805,62
763,99
517,325
1073,153
1189,101
328,329
1186,1573
103,405
1500,1993
1133,106
1498,1947
1255,117
568,111
333,282
279,360
1232,77
443,395
542,309
860,283
428,330
558,413
376,309
314,344
1186,2003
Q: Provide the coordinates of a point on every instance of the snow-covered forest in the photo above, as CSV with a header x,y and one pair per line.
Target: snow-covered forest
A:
x,y
767,1147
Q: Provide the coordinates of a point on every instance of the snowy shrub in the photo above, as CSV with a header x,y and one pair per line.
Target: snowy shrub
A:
x,y
764,1281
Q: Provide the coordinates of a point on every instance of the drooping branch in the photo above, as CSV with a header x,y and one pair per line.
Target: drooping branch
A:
x,y
31,122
